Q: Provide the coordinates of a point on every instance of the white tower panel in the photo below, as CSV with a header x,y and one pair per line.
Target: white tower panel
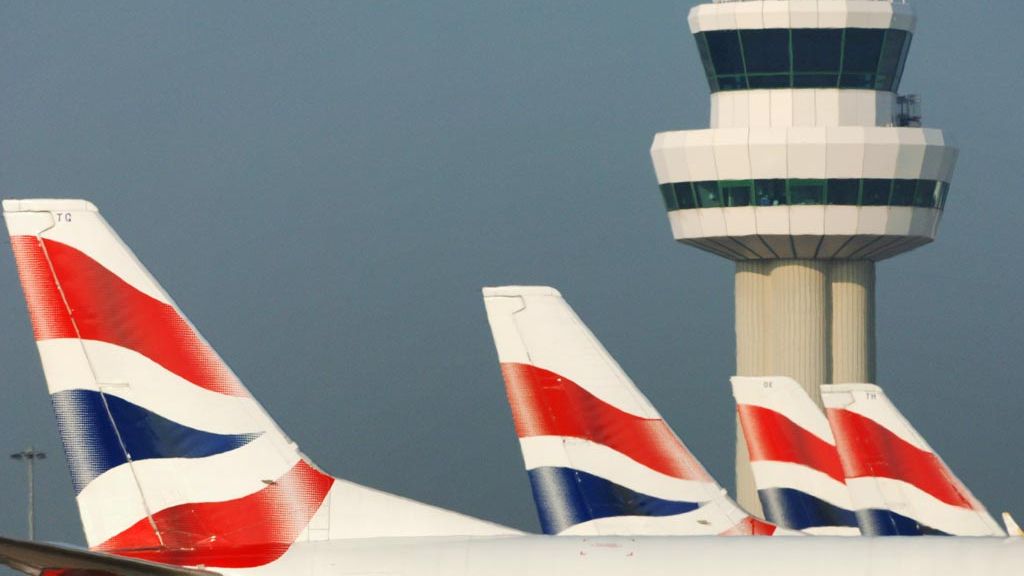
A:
x,y
881,151
807,153
803,13
700,155
782,108
844,153
774,15
743,15
910,159
732,154
804,108
749,15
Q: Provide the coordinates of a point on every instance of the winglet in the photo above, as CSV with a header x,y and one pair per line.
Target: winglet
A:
x,y
1012,528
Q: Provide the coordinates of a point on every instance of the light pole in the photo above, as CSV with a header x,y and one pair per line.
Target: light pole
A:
x,y
30,455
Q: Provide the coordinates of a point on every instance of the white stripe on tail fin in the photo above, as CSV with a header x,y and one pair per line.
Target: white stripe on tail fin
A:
x,y
171,458
898,484
600,458
793,457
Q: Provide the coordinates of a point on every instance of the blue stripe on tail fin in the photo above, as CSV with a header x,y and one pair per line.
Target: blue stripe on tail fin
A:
x,y
93,446
568,497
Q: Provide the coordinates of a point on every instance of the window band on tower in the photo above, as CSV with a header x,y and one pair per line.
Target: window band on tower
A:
x,y
866,58
803,191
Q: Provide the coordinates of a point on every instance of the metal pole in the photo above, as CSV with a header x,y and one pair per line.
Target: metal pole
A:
x,y
31,500
30,455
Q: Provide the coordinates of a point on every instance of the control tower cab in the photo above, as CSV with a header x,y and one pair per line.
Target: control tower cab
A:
x,y
813,169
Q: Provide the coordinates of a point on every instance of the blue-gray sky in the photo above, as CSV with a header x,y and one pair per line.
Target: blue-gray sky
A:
x,y
324,187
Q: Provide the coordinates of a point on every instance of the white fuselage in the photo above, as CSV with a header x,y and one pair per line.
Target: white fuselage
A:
x,y
651,556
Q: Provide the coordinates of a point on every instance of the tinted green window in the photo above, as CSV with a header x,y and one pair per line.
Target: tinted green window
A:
x,y
816,57
928,194
705,59
724,47
803,58
736,193
708,195
669,197
903,192
875,192
769,192
734,82
903,62
766,55
836,191
861,50
890,61
806,192
844,192
684,195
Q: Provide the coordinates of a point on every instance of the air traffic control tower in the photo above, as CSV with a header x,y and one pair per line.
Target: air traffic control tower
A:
x,y
813,169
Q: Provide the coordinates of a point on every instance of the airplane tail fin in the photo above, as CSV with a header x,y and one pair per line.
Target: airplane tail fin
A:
x,y
898,484
600,458
171,458
793,457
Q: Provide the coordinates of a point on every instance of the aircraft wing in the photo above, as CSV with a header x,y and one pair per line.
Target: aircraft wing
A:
x,y
38,559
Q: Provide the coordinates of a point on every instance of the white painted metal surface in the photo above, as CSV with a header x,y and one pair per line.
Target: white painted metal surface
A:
x,y
761,14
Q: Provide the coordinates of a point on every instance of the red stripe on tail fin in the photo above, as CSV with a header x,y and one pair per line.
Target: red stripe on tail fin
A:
x,y
46,307
869,450
250,531
546,404
108,309
751,526
773,437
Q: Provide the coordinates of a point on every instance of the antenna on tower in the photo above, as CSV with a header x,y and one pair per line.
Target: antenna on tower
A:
x,y
908,110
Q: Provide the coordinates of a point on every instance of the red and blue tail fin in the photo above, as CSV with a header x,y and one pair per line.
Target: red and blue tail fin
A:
x,y
600,458
898,484
171,458
793,457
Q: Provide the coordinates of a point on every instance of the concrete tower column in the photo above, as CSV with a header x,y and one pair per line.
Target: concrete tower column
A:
x,y
853,321
753,288
800,322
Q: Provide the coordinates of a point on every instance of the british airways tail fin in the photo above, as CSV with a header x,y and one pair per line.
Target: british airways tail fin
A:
x,y
599,456
898,484
793,457
171,458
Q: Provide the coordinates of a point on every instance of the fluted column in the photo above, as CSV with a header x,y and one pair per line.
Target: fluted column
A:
x,y
853,321
752,320
800,333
